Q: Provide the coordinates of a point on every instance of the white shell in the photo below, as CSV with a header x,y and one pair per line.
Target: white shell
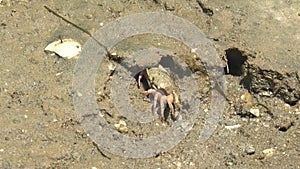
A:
x,y
66,48
255,112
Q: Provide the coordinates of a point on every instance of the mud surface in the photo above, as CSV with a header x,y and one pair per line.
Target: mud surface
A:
x,y
258,42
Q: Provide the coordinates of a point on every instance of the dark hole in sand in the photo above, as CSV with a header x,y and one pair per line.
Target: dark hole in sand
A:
x,y
235,61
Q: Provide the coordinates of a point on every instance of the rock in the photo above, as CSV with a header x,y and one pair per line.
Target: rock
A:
x,y
121,126
284,124
230,159
255,112
247,97
269,152
250,150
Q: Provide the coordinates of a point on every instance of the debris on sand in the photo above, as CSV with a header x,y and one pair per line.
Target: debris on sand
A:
x,y
121,126
65,48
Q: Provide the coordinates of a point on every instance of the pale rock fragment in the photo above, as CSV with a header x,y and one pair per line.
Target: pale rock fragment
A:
x,y
65,48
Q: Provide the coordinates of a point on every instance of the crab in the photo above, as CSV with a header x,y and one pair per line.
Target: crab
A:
x,y
162,88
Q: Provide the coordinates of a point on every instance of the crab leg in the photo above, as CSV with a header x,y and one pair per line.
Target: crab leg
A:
x,y
141,75
171,107
154,107
156,97
162,107
173,98
139,80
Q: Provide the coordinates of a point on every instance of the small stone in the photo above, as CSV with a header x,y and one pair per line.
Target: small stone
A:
x,y
250,150
229,163
123,129
79,94
247,97
297,111
269,152
89,16
287,106
255,112
284,124
114,54
121,126
230,159
177,163
233,127
58,74
266,93
248,100
111,67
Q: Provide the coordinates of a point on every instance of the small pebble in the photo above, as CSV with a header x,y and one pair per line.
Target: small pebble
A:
x,y
297,111
269,152
255,112
250,150
79,94
192,164
233,127
89,16
287,106
58,74
247,97
193,50
284,124
177,163
111,67
266,93
121,126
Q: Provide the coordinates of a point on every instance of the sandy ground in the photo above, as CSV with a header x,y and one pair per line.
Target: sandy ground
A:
x,y
259,39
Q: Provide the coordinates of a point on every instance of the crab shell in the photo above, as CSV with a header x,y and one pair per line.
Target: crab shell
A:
x,y
160,78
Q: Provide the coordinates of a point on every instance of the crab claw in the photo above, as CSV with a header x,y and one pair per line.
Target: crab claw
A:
x,y
139,80
150,91
175,116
